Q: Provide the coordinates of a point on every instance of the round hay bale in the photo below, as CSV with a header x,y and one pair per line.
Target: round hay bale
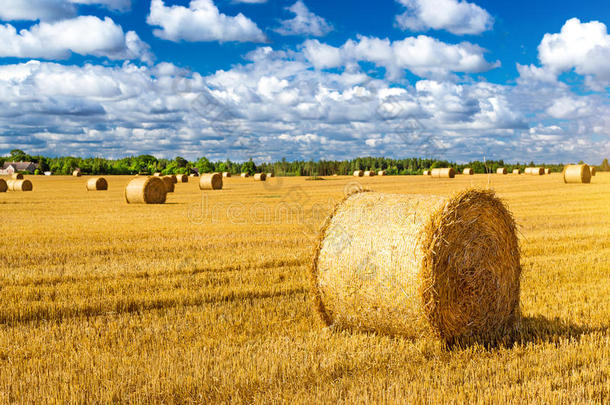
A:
x,y
536,171
226,174
157,174
416,265
169,184
17,176
244,175
381,173
173,177
446,172
3,186
19,185
369,173
146,190
577,174
270,175
358,173
528,170
516,171
547,171
468,171
260,177
593,170
427,173
193,175
182,178
76,173
210,181
501,170
97,184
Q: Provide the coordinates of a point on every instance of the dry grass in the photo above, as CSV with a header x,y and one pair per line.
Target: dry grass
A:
x,y
103,308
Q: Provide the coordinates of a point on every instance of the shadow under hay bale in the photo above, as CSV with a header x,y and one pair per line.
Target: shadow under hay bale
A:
x,y
447,267
146,190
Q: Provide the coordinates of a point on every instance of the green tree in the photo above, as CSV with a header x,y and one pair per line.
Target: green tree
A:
x,y
605,166
248,167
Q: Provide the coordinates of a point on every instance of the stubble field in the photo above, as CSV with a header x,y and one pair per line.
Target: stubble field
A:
x,y
206,299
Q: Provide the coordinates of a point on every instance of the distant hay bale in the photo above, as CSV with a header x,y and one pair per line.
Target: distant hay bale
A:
x,y
358,173
381,173
417,265
17,176
19,185
593,170
547,171
516,171
270,175
468,171
169,184
97,184
446,172
3,186
192,175
528,170
210,181
260,177
245,175
76,173
157,174
369,173
226,174
577,174
536,171
427,173
146,190
501,170
182,178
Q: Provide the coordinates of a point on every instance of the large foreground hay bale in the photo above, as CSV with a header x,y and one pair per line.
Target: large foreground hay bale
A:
x,y
516,171
358,173
381,173
97,184
260,177
244,175
76,173
226,174
501,170
173,177
182,178
577,174
169,184
369,173
593,170
19,185
3,186
210,181
446,172
17,176
146,190
418,265
468,171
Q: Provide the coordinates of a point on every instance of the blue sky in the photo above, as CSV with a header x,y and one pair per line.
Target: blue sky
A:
x,y
306,79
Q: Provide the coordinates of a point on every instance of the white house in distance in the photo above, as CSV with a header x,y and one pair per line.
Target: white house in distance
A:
x,y
9,168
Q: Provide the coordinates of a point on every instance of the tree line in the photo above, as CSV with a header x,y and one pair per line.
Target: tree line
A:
x,y
148,164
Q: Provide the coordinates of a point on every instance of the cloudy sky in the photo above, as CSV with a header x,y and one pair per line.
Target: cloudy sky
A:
x,y
306,79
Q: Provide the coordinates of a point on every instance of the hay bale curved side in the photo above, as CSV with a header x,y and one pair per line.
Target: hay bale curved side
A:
x,y
427,173
358,173
3,186
245,175
169,184
226,174
260,177
593,170
547,171
501,170
19,185
182,178
468,171
516,171
577,174
369,173
16,176
210,181
446,172
536,171
270,175
76,173
97,184
447,267
381,173
146,190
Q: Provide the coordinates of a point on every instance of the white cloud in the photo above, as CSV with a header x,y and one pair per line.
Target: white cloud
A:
x,y
46,10
250,1
304,23
85,35
584,47
456,16
201,21
422,55
115,5
569,108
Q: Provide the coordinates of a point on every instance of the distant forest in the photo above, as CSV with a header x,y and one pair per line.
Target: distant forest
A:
x,y
150,164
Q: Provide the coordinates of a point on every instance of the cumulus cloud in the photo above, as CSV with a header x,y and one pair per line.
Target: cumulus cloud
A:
x,y
115,5
85,35
456,16
52,10
422,55
201,21
304,22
